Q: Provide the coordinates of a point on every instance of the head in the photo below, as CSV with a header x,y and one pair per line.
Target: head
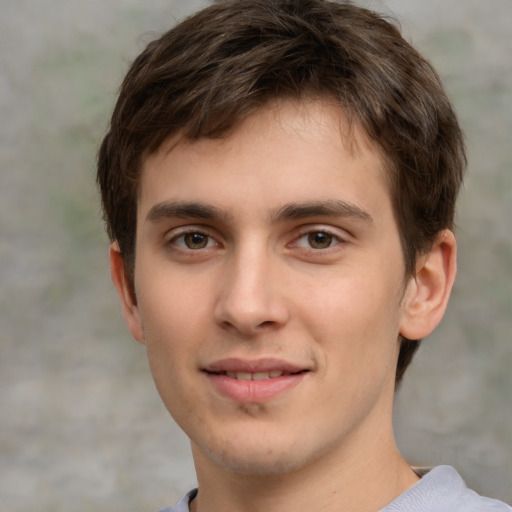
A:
x,y
209,73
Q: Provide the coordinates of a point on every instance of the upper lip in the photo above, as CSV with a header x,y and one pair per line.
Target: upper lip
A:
x,y
233,364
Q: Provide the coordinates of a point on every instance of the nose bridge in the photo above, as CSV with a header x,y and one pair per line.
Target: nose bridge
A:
x,y
251,297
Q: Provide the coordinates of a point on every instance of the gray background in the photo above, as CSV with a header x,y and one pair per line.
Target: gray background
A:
x,y
81,427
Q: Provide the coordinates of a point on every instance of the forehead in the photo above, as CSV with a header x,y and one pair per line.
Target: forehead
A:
x,y
305,142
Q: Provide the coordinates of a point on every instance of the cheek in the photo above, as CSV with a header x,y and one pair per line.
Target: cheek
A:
x,y
171,335
173,307
174,327
356,319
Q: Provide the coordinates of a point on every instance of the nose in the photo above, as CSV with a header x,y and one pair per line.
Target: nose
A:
x,y
252,298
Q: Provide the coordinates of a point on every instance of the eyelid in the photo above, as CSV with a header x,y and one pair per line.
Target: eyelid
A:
x,y
338,233
172,235
341,238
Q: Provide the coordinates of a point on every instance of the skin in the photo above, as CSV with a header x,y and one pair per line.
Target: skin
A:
x,y
279,243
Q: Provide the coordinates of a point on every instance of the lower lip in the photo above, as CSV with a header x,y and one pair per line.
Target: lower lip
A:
x,y
253,391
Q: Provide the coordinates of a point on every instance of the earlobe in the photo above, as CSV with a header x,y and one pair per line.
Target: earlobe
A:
x,y
426,297
130,309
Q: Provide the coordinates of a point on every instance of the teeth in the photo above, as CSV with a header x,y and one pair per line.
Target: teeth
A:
x,y
254,376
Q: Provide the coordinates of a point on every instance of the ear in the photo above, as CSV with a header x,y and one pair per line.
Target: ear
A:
x,y
126,294
427,292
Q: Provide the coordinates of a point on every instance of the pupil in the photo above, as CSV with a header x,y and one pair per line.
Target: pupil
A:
x,y
196,240
320,240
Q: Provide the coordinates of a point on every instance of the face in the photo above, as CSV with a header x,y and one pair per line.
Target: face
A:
x,y
269,280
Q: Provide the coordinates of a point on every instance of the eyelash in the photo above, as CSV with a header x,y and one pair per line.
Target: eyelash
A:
x,y
174,241
333,239
178,241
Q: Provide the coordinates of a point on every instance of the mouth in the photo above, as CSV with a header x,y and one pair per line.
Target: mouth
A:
x,y
274,374
253,381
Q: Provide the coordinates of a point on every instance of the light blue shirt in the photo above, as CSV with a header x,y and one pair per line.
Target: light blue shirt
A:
x,y
443,490
440,490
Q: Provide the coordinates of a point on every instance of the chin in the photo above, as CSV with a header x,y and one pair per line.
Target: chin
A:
x,y
262,464
258,458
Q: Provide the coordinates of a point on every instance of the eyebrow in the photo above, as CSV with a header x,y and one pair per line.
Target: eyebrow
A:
x,y
329,208
184,210
290,211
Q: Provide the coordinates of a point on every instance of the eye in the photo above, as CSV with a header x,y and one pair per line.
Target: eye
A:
x,y
317,240
193,240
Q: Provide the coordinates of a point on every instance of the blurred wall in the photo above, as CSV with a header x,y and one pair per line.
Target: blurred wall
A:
x,y
81,426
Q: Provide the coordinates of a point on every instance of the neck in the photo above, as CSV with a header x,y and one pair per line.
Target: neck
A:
x,y
353,480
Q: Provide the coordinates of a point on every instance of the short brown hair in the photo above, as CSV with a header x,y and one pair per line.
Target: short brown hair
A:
x,y
209,72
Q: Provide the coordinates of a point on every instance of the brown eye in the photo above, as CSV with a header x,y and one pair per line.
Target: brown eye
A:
x,y
195,240
320,240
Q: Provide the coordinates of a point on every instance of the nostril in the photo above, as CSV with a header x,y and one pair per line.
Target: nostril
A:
x,y
250,313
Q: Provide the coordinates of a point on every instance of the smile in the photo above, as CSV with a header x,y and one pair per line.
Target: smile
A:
x,y
257,369
253,381
255,376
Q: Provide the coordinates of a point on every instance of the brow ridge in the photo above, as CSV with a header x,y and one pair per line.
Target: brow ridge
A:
x,y
290,211
184,210
329,208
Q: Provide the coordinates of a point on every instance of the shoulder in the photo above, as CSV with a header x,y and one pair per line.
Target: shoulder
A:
x,y
442,489
182,505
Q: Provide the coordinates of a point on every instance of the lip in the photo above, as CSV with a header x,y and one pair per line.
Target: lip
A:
x,y
253,391
234,364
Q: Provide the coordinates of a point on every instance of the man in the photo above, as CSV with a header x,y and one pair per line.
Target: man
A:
x,y
279,184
